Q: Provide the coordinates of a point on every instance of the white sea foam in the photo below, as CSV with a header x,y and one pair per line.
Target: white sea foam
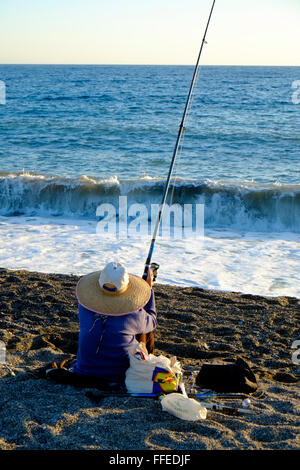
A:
x,y
253,263
236,206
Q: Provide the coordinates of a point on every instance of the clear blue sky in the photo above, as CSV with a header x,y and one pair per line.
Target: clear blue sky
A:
x,y
242,32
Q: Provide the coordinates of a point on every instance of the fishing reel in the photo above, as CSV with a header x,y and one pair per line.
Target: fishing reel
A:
x,y
154,268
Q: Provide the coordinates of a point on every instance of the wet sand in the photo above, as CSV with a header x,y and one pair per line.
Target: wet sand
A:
x,y
39,324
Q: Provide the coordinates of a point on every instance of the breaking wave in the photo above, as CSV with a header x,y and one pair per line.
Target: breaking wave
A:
x,y
247,206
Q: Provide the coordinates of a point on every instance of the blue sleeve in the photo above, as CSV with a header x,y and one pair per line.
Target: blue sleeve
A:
x,y
150,306
146,317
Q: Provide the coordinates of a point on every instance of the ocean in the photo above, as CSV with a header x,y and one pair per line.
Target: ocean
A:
x,y
73,138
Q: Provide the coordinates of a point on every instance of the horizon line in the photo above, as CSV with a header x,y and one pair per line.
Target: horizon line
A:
x,y
147,65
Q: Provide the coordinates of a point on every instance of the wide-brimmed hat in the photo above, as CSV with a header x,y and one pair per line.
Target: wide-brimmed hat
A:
x,y
112,291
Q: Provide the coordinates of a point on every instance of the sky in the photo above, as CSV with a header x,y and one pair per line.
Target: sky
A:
x,y
241,32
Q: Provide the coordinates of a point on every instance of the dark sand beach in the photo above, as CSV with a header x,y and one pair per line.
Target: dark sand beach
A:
x,y
39,324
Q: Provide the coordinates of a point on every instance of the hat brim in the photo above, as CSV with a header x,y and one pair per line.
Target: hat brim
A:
x,y
90,295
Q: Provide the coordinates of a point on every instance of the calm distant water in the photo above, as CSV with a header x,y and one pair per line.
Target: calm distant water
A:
x,y
123,120
72,137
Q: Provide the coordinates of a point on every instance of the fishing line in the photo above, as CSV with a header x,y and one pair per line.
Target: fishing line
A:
x,y
180,152
180,132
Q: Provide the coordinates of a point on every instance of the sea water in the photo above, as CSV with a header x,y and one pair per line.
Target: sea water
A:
x,y
76,137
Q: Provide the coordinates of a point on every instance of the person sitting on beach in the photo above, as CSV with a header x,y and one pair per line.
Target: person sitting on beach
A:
x,y
113,308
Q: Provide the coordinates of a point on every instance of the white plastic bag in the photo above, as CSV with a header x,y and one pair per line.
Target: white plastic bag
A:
x,y
151,374
183,407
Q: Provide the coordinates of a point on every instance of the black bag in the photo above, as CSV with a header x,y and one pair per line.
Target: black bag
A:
x,y
236,377
62,374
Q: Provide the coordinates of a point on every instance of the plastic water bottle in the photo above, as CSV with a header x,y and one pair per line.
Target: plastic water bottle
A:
x,y
2,352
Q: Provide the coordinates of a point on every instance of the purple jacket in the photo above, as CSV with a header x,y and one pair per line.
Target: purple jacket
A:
x,y
104,341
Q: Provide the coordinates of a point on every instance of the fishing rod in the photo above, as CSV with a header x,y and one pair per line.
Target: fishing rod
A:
x,y
180,131
231,410
97,396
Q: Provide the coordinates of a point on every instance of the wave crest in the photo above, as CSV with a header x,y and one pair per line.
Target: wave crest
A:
x,y
246,206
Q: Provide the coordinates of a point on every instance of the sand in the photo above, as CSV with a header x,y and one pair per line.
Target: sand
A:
x,y
39,324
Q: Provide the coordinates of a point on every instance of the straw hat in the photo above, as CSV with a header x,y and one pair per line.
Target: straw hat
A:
x,y
112,291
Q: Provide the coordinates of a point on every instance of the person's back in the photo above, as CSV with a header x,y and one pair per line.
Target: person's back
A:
x,y
105,339
114,308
